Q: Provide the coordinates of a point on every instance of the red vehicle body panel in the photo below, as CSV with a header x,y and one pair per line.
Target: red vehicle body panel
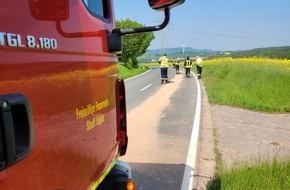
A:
x,y
71,89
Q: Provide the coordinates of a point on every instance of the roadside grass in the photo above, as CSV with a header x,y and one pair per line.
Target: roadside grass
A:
x,y
156,64
254,83
152,64
260,175
130,72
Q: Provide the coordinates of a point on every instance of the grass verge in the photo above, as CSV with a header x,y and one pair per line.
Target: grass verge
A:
x,y
261,175
130,72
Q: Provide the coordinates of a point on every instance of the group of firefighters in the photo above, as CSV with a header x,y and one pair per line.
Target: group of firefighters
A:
x,y
163,61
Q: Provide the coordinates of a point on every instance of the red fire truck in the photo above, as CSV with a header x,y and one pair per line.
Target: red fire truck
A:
x,y
62,104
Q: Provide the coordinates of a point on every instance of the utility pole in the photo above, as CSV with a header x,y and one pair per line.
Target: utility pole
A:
x,y
163,34
163,41
183,48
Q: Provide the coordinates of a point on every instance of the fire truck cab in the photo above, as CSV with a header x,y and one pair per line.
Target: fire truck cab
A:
x,y
62,103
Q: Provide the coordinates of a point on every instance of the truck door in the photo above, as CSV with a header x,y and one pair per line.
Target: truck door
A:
x,y
55,54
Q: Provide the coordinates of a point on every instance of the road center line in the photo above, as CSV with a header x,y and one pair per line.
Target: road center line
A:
x,y
145,87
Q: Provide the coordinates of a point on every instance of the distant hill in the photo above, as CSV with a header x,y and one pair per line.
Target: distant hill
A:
x,y
282,52
178,50
173,53
271,52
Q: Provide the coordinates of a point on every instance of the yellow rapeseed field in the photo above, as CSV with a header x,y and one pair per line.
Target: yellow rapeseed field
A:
x,y
254,83
252,60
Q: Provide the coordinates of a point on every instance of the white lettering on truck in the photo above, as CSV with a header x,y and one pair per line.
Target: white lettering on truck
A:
x,y
16,40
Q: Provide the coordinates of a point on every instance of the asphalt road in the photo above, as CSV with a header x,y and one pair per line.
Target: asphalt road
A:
x,y
160,122
142,87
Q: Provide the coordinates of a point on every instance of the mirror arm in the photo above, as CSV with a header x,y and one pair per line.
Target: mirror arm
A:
x,y
146,28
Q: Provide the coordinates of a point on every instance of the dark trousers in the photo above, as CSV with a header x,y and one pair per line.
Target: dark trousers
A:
x,y
198,71
187,71
177,68
164,72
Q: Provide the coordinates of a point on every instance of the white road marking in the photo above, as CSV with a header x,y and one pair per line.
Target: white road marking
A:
x,y
189,171
145,87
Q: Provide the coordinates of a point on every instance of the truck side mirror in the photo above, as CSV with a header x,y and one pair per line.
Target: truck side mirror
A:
x,y
161,4
114,38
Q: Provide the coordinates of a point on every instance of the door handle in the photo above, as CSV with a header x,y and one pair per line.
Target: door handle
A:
x,y
16,129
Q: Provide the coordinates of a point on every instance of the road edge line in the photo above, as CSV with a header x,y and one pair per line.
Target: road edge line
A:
x,y
189,171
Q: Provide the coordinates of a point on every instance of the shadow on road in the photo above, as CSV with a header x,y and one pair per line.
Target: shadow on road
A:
x,y
150,176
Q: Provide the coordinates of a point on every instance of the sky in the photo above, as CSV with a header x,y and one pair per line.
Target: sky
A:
x,y
214,24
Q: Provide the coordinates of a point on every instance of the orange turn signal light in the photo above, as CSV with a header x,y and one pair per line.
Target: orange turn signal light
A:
x,y
131,185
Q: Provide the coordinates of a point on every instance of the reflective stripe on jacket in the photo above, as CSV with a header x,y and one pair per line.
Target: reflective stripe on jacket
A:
x,y
187,64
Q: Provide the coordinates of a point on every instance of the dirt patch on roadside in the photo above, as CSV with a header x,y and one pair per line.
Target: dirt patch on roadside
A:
x,y
248,135
242,135
139,126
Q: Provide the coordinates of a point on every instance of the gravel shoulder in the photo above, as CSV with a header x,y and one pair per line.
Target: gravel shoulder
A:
x,y
241,135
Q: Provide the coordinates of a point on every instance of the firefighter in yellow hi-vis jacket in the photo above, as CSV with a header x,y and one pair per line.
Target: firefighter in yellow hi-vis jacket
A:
x,y
163,61
187,66
198,64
